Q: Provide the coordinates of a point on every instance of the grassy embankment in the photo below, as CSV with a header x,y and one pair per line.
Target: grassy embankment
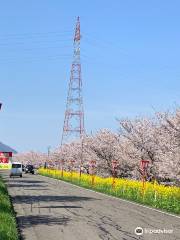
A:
x,y
8,228
155,195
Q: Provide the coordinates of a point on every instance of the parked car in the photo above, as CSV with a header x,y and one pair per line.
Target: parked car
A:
x,y
23,168
29,169
16,169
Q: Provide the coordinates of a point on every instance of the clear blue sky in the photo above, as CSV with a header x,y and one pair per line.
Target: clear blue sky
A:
x,y
130,64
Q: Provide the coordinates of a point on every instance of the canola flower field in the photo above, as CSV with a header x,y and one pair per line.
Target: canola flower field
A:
x,y
152,194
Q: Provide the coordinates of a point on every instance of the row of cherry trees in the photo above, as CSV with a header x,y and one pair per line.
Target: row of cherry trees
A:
x,y
155,139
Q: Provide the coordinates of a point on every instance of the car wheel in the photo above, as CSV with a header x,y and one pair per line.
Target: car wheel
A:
x,y
21,175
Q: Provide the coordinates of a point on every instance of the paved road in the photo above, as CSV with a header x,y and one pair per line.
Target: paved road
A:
x,y
48,209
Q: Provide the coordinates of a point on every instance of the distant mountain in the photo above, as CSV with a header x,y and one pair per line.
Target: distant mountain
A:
x,y
5,148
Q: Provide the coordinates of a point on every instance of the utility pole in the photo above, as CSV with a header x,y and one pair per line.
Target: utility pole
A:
x,y
48,148
48,152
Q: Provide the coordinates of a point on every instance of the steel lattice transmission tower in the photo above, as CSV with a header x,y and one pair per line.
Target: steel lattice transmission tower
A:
x,y
74,115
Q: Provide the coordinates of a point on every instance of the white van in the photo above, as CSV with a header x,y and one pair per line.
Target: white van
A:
x,y
16,169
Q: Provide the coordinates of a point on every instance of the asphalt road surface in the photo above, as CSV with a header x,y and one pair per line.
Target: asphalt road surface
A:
x,y
48,209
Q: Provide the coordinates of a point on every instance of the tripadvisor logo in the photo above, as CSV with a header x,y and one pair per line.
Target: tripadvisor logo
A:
x,y
139,231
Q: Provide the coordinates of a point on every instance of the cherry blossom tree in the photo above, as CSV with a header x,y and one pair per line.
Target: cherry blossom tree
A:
x,y
155,139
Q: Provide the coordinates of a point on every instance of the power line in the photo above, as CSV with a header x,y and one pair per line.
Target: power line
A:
x,y
44,58
34,34
36,41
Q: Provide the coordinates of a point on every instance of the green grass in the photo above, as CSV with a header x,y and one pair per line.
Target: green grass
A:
x,y
8,227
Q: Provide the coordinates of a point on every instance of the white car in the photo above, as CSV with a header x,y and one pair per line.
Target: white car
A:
x,y
16,169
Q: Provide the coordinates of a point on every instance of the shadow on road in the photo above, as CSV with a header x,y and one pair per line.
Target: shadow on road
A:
x,y
38,189
32,220
26,185
48,198
25,181
61,207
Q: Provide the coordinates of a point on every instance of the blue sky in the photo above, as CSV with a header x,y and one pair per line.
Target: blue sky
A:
x,y
130,64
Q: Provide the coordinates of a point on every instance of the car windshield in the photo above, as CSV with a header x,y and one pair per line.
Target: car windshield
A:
x,y
16,165
29,166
